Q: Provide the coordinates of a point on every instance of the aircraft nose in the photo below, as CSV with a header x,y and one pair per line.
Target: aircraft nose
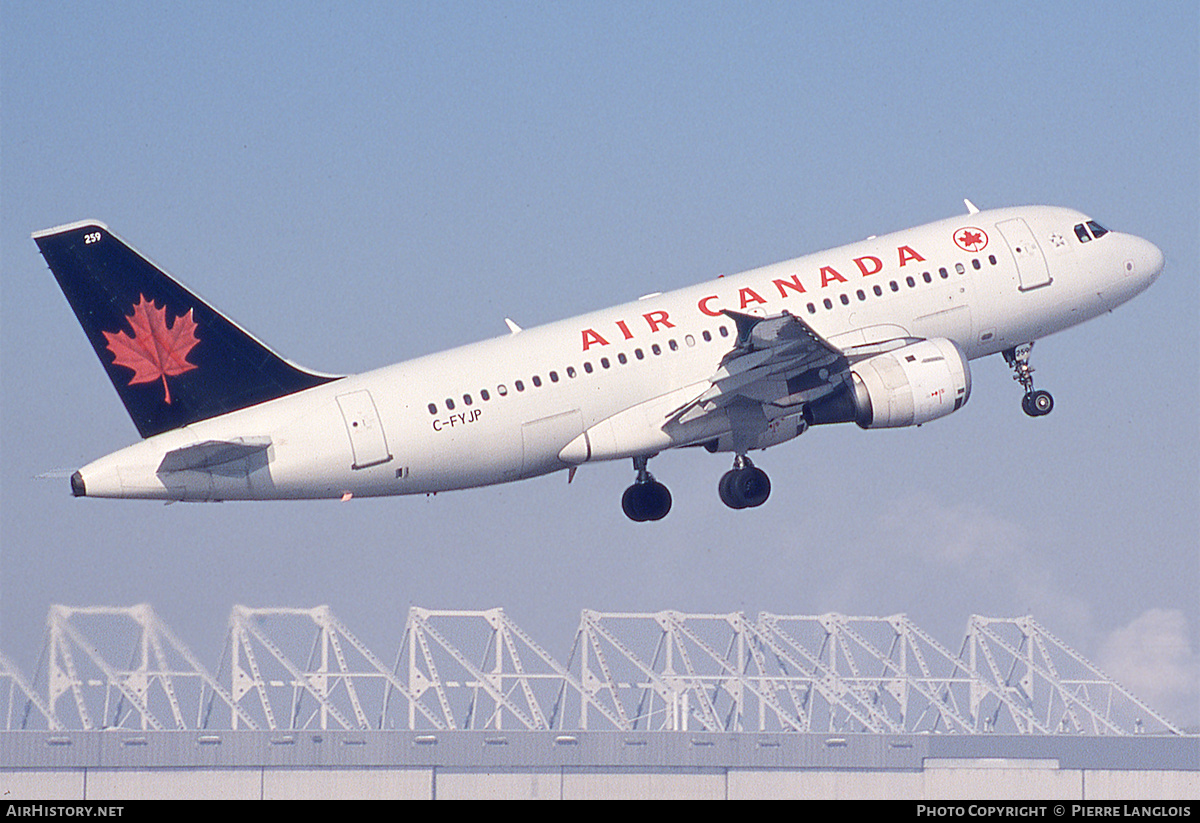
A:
x,y
1157,261
1145,261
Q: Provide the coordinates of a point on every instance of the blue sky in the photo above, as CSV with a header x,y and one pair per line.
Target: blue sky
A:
x,y
361,183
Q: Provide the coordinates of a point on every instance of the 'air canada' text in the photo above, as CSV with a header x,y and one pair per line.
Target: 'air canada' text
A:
x,y
749,297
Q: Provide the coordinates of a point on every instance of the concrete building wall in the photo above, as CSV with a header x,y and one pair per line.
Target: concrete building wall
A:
x,y
1028,780
1149,785
43,784
795,784
936,783
347,784
663,784
499,784
173,784
112,765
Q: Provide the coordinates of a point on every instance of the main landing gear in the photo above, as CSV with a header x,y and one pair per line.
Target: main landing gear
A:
x,y
646,499
1035,403
744,486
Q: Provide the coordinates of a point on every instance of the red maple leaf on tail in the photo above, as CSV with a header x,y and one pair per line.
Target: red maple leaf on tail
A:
x,y
156,350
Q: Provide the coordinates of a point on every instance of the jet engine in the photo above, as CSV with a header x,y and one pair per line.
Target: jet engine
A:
x,y
906,387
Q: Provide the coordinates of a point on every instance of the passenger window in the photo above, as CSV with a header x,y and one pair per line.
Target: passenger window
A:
x,y
673,345
845,299
433,408
520,386
827,303
655,349
587,367
812,309
449,404
942,271
502,390
484,394
861,295
553,377
691,341
466,399
707,336
927,277
604,362
724,331
878,291
570,371
537,381
910,281
639,354
622,359
960,268
895,286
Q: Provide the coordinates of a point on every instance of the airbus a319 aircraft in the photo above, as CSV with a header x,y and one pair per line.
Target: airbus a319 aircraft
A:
x,y
878,333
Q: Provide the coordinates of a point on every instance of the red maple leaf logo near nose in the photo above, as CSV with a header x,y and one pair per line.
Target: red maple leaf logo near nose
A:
x,y
156,350
971,239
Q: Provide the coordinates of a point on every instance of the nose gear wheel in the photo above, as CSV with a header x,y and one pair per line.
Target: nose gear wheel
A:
x,y
1035,403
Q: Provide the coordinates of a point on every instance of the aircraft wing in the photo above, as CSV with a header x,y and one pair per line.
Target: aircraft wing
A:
x,y
777,360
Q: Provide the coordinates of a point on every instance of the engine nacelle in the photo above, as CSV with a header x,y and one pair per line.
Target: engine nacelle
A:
x,y
906,387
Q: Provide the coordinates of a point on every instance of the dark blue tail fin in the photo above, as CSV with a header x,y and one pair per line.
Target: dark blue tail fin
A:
x,y
172,358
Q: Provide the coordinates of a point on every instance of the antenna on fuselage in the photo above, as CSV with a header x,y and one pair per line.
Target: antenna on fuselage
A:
x,y
971,207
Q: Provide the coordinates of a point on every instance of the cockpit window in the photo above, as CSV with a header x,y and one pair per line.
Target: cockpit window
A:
x,y
1091,230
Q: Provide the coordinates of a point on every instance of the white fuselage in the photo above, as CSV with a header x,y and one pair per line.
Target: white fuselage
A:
x,y
511,407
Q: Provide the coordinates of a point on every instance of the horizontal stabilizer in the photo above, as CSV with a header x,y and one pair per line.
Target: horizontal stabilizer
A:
x,y
212,453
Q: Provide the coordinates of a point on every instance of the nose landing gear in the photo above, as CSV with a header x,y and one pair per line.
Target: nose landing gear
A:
x,y
744,486
646,499
1035,403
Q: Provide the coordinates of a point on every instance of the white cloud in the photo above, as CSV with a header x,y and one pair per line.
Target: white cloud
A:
x,y
1153,658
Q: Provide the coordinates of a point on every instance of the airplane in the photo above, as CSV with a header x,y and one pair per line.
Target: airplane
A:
x,y
879,333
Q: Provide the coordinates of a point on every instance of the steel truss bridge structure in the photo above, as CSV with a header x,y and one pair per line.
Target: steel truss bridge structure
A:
x,y
293,668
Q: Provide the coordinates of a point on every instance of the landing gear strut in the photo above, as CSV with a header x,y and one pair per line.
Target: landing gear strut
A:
x,y
646,499
1035,403
744,486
